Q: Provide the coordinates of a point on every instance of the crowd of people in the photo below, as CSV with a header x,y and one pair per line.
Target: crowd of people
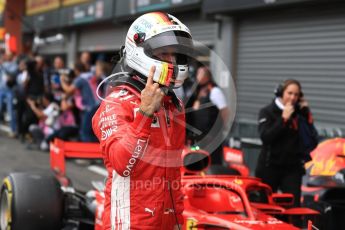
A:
x,y
41,101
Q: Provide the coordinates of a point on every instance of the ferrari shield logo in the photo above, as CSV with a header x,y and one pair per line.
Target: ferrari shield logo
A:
x,y
191,224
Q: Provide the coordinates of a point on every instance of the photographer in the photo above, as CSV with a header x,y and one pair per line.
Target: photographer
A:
x,y
68,119
281,161
47,111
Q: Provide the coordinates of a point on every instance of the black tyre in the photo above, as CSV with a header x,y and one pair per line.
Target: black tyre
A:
x,y
31,201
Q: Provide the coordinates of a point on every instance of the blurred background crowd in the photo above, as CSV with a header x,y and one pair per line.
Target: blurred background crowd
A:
x,y
41,100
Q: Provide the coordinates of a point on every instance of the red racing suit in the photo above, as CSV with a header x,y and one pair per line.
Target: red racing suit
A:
x,y
143,157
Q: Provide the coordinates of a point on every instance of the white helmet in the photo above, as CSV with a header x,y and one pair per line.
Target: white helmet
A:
x,y
156,30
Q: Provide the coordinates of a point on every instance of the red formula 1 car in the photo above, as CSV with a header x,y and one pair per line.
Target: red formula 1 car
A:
x,y
324,183
48,201
234,202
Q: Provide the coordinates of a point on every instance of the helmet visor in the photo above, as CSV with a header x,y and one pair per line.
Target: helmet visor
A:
x,y
181,41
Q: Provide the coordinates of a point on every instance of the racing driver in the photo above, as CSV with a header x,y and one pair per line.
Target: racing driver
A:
x,y
141,126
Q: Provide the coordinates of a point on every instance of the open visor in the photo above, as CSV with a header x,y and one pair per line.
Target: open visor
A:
x,y
180,40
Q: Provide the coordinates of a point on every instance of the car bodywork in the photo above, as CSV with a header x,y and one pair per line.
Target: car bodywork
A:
x,y
211,201
323,186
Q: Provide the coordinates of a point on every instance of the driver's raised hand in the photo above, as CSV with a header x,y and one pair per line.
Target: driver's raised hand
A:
x,y
151,95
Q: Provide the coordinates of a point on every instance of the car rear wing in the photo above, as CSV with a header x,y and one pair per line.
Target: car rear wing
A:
x,y
61,150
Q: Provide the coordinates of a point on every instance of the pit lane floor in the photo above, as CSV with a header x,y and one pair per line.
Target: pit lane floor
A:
x,y
14,157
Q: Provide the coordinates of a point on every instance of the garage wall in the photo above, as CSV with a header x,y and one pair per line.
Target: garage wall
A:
x,y
308,45
54,48
101,38
202,30
112,37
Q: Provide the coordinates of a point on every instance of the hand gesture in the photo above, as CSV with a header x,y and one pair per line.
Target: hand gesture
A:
x,y
30,102
151,95
288,111
303,103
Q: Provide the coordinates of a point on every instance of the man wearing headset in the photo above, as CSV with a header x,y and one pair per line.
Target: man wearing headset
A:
x,y
141,127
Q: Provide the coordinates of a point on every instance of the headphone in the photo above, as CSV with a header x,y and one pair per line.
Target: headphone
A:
x,y
279,90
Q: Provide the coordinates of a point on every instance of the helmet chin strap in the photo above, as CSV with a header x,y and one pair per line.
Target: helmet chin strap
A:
x,y
165,90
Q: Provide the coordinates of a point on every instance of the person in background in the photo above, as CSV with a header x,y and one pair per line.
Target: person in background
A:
x,y
68,129
34,89
281,160
20,91
54,78
101,71
47,113
210,114
43,70
87,71
35,84
69,114
85,101
8,74
86,60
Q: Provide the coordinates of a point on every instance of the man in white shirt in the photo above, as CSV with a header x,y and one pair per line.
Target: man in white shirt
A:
x,y
210,114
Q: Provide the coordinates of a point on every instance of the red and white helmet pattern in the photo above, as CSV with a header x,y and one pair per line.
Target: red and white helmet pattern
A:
x,y
156,30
